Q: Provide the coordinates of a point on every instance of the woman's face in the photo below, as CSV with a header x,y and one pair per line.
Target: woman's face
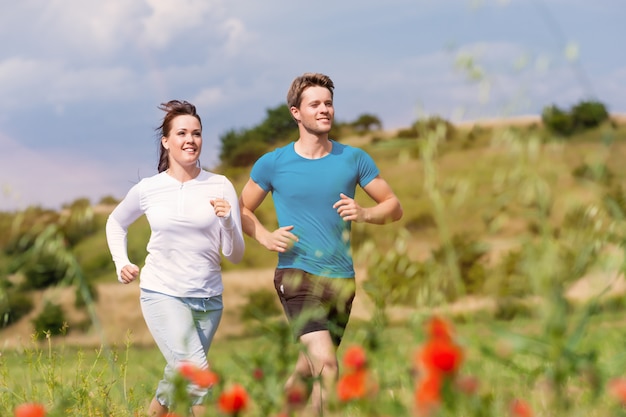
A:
x,y
184,141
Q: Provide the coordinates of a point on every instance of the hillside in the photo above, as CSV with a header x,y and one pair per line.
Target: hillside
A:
x,y
487,177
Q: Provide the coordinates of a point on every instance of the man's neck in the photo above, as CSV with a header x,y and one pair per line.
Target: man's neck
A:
x,y
312,146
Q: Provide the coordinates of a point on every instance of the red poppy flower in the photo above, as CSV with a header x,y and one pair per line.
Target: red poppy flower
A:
x,y
296,394
441,356
205,378
520,408
354,357
187,370
428,394
234,400
258,374
201,377
438,328
617,388
30,410
352,386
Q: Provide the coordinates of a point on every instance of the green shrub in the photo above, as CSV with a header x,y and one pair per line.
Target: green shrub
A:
x,y
14,306
469,254
614,201
420,222
51,320
599,173
589,114
261,304
582,116
79,300
558,121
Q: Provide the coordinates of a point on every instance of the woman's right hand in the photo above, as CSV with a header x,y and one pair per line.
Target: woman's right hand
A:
x,y
129,273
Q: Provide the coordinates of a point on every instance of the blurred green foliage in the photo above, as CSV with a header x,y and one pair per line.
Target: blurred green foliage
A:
x,y
463,189
582,116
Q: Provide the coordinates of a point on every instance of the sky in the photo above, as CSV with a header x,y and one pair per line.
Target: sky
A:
x,y
81,80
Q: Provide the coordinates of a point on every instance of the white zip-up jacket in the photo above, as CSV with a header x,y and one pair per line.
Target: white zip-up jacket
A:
x,y
186,236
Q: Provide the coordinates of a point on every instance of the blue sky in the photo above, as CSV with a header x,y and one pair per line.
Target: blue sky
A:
x,y
80,80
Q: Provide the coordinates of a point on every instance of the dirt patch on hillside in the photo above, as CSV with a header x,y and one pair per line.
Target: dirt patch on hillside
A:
x,y
119,318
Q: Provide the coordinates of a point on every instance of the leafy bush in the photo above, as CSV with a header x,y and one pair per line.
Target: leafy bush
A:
x,y
92,293
366,122
42,264
393,277
469,254
599,173
77,221
582,116
420,222
422,127
589,114
261,305
14,306
51,320
614,201
557,120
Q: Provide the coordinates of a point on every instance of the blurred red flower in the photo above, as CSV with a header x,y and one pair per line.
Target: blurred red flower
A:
x,y
520,408
233,400
352,386
441,355
355,358
428,394
296,394
438,328
30,410
205,378
258,374
201,377
617,388
187,370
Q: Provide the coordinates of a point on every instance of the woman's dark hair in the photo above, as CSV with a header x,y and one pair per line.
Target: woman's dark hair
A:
x,y
172,109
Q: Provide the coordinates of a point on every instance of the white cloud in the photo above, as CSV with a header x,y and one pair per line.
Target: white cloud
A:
x,y
171,18
51,179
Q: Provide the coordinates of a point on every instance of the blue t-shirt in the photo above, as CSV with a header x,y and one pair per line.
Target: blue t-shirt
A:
x,y
304,191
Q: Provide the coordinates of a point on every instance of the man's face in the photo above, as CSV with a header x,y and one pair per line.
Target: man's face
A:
x,y
316,111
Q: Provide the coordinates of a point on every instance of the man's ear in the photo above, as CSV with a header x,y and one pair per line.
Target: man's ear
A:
x,y
295,113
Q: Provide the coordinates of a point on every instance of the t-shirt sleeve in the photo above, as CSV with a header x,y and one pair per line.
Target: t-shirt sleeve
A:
x,y
262,171
367,168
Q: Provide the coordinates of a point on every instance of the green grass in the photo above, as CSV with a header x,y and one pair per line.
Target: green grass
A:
x,y
121,379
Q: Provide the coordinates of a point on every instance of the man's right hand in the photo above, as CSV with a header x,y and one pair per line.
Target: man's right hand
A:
x,y
280,240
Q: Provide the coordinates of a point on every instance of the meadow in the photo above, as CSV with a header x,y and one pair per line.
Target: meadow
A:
x,y
514,237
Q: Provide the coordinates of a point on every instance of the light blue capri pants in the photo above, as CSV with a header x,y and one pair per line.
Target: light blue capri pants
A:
x,y
183,329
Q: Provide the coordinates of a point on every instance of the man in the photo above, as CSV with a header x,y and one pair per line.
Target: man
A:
x,y
313,182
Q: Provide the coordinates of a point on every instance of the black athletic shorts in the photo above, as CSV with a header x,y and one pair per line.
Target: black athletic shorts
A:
x,y
313,303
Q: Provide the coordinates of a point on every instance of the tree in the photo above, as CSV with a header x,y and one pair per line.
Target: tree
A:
x,y
366,122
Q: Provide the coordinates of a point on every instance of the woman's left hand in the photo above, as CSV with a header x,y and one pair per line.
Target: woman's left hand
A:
x,y
221,207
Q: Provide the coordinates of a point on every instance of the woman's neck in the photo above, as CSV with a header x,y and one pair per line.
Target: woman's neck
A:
x,y
183,174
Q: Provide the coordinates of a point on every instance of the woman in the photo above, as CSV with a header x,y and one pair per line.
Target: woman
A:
x,y
192,214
